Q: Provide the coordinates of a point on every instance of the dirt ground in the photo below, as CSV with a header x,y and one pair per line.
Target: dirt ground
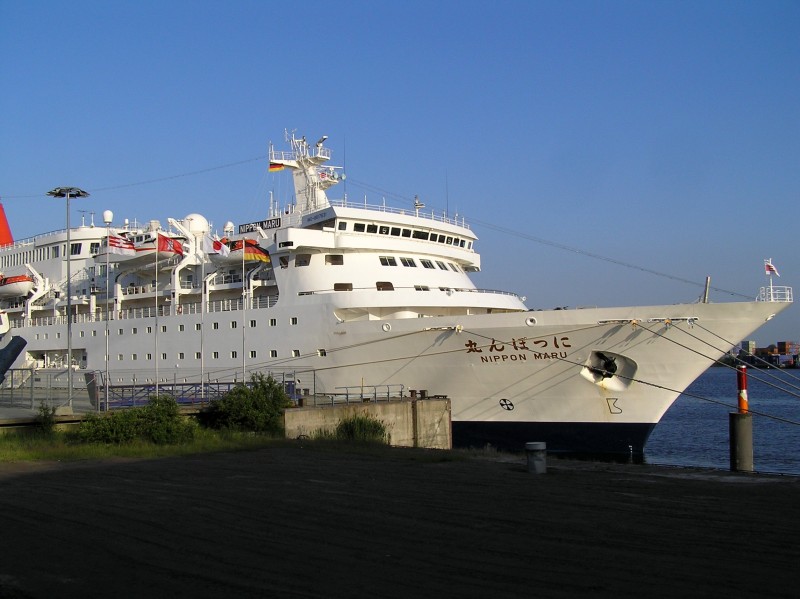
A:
x,y
302,521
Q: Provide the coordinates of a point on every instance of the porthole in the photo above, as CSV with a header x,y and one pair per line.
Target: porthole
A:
x,y
386,327
530,321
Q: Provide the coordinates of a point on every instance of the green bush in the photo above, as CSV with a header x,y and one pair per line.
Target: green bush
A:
x,y
257,407
158,422
359,428
46,419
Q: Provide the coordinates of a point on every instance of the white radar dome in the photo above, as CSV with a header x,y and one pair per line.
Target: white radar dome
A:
x,y
196,223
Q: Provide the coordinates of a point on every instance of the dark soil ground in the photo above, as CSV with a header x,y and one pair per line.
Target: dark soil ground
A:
x,y
311,521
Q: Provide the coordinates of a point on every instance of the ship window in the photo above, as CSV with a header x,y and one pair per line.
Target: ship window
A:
x,y
197,326
134,331
120,331
461,243
388,261
197,355
322,353
149,330
343,226
215,355
422,288
406,232
164,329
252,324
234,354
359,227
120,357
453,267
273,322
293,321
384,286
75,249
94,333
420,235
94,247
334,259
149,356
253,353
215,326
442,238
372,228
134,357
164,356
342,286
434,237
449,240
234,324
441,265
396,231
295,353
427,263
383,230
180,328
302,260
284,262
180,355
408,262
273,353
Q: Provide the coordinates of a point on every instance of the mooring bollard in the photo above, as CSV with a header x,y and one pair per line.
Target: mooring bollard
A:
x,y
740,428
536,452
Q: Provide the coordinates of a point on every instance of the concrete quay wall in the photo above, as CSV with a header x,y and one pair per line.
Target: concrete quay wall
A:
x,y
410,422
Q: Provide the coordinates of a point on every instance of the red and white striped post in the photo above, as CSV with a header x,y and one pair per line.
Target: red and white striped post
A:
x,y
741,381
741,428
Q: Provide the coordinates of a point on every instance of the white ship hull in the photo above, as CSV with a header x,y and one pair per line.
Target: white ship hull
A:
x,y
356,300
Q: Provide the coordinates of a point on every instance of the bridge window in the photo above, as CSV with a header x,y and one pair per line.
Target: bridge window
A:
x,y
342,286
372,228
384,286
343,226
427,263
334,259
396,231
420,235
408,262
302,260
406,232
359,227
388,261
441,265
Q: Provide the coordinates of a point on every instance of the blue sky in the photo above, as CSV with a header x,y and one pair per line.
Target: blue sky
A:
x,y
664,135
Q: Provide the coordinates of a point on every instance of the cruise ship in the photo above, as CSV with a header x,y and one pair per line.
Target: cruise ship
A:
x,y
347,299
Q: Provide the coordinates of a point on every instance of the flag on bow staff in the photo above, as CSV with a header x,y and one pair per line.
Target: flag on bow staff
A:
x,y
769,268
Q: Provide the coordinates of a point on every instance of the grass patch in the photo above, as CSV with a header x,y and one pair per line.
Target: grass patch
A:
x,y
32,445
358,428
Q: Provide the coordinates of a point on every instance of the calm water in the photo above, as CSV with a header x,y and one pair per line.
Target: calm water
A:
x,y
695,432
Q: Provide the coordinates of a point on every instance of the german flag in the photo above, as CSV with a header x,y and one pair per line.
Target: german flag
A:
x,y
274,167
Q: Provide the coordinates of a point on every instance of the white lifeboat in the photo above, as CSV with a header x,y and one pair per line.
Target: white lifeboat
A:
x,y
16,286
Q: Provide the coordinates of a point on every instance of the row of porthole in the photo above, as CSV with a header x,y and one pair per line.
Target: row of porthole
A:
x,y
530,321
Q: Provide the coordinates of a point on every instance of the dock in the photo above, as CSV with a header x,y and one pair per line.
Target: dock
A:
x,y
302,520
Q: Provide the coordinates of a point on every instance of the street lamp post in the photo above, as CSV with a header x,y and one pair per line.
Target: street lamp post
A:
x,y
68,192
108,218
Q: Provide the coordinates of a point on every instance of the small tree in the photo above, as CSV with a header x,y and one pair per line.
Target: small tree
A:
x,y
255,407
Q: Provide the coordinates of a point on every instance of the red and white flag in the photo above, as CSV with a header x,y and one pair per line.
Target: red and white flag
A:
x,y
120,245
169,244
769,269
215,246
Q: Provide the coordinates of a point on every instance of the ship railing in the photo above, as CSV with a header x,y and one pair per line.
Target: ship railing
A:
x,y
362,393
775,294
459,221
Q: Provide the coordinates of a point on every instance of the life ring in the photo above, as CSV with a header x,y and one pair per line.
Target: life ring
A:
x,y
179,310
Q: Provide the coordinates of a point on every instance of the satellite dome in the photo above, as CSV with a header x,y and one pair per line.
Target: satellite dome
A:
x,y
196,223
